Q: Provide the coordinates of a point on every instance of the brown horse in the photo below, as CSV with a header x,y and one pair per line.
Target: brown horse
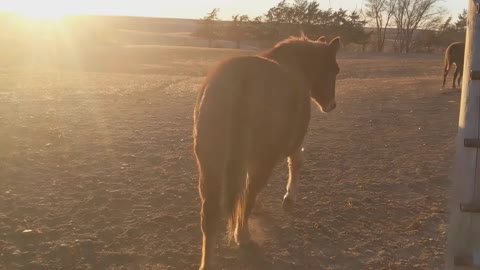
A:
x,y
454,54
252,112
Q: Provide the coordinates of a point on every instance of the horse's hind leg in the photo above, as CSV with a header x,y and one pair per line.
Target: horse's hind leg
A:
x,y
457,70
445,72
210,191
295,163
460,76
258,175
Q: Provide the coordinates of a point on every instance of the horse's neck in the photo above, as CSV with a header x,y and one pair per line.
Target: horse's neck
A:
x,y
290,63
293,66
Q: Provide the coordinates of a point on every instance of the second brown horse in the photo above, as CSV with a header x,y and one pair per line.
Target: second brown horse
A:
x,y
454,54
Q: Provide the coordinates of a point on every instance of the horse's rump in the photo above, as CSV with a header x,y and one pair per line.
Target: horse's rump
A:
x,y
455,53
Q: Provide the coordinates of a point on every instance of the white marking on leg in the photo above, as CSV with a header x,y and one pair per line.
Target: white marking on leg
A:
x,y
295,163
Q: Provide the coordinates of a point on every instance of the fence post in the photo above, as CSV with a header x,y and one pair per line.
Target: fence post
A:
x,y
463,237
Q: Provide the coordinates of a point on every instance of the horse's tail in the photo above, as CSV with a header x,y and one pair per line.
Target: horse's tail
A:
x,y
448,56
237,164
447,60
223,141
235,182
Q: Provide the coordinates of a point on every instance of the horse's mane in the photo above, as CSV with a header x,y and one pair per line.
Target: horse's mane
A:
x,y
301,41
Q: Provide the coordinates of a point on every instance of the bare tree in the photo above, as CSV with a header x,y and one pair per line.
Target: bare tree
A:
x,y
381,11
461,23
238,28
207,27
411,15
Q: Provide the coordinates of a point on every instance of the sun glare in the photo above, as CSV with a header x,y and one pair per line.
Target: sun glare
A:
x,y
48,10
41,15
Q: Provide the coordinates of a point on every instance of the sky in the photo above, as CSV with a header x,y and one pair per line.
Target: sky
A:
x,y
175,8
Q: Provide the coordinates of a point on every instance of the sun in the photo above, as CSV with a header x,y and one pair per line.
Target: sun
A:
x,y
47,10
41,16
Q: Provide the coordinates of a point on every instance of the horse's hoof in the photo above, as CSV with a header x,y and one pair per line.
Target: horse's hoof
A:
x,y
288,204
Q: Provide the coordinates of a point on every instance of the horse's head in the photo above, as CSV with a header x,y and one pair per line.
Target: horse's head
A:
x,y
323,74
315,62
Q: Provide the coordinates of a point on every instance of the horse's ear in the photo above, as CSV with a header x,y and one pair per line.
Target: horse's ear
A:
x,y
322,39
335,44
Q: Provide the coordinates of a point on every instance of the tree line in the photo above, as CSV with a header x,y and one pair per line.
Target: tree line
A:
x,y
417,25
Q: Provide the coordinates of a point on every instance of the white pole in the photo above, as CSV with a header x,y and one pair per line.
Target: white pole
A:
x,y
463,238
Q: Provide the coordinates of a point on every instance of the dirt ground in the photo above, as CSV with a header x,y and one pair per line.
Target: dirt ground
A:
x,y
97,170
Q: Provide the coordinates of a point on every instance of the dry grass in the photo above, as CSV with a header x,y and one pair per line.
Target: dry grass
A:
x,y
96,161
